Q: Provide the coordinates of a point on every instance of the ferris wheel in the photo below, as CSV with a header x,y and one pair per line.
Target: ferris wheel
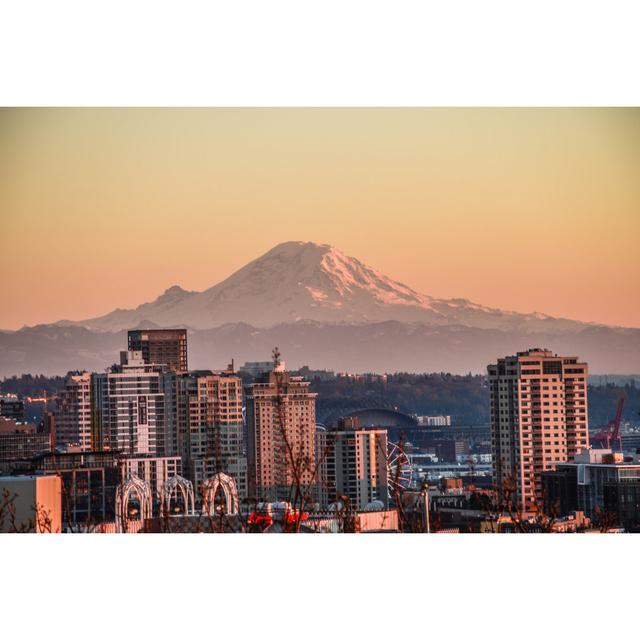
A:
x,y
399,470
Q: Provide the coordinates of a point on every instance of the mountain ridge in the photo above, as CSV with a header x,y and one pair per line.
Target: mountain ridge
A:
x,y
379,347
324,309
307,281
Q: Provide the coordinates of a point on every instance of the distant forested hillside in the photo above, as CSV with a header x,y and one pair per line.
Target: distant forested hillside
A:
x,y
465,398
30,385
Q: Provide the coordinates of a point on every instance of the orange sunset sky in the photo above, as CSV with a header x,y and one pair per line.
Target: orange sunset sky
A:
x,y
522,209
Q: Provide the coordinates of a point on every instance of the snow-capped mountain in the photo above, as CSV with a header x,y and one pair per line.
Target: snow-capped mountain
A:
x,y
298,281
324,309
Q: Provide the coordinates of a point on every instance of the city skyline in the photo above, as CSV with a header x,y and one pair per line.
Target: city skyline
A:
x,y
152,447
478,232
455,203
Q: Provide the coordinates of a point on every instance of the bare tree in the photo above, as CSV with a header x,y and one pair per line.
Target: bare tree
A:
x,y
507,506
301,466
41,522
604,519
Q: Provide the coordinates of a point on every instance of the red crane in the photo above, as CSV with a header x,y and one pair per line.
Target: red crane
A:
x,y
609,435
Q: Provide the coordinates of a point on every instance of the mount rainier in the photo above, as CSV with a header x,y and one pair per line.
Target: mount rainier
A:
x,y
324,309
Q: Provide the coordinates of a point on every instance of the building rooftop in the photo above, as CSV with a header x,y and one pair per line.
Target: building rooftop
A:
x,y
603,457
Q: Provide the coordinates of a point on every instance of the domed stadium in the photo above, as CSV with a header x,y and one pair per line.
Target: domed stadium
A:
x,y
385,418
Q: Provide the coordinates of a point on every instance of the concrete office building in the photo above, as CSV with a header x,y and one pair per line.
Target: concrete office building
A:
x,y
89,482
353,463
539,419
37,501
281,422
161,346
599,482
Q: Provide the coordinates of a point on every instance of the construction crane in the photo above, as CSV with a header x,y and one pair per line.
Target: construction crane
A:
x,y
610,435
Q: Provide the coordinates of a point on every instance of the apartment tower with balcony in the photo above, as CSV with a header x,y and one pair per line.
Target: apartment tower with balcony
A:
x,y
539,418
281,421
211,427
73,413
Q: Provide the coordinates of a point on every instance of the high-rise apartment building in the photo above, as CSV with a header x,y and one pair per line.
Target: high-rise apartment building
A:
x,y
281,417
353,463
73,418
161,346
211,426
135,407
539,418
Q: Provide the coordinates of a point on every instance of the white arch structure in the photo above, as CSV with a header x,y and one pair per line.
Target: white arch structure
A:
x,y
137,487
171,488
229,490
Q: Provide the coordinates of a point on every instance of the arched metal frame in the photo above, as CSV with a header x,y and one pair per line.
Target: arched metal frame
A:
x,y
399,470
171,488
229,490
124,492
